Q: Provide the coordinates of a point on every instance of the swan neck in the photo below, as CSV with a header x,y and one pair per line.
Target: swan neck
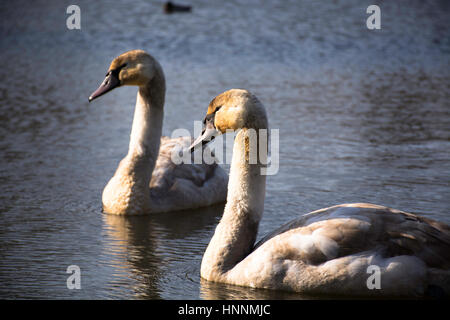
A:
x,y
236,233
148,121
128,190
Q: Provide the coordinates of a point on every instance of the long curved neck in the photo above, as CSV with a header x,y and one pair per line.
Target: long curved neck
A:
x,y
236,233
127,192
147,128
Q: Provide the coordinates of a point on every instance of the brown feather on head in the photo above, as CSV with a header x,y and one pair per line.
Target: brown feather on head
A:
x,y
133,68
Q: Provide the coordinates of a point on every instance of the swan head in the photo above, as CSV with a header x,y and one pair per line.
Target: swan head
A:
x,y
132,68
232,110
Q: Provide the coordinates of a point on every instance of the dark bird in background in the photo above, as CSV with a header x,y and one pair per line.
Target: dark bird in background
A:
x,y
170,7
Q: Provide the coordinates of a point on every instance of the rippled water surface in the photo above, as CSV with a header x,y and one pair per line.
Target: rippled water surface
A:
x,y
363,117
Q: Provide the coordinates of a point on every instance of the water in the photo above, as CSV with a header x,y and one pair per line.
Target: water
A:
x,y
363,116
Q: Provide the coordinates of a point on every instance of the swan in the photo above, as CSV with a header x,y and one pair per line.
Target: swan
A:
x,y
146,180
331,251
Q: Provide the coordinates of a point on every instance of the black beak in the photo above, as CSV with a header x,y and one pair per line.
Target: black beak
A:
x,y
111,81
209,132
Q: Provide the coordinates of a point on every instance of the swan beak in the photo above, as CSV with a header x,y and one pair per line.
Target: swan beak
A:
x,y
208,134
111,81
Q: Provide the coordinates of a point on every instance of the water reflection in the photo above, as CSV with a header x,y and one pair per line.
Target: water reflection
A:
x,y
221,291
131,248
141,248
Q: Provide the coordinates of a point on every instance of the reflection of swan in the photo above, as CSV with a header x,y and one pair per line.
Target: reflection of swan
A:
x,y
222,291
152,254
172,187
130,254
328,251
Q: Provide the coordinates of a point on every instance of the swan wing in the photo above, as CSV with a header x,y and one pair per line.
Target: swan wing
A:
x,y
331,251
183,186
351,228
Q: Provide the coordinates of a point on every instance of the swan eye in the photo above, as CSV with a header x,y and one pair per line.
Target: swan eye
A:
x,y
116,70
209,118
211,115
